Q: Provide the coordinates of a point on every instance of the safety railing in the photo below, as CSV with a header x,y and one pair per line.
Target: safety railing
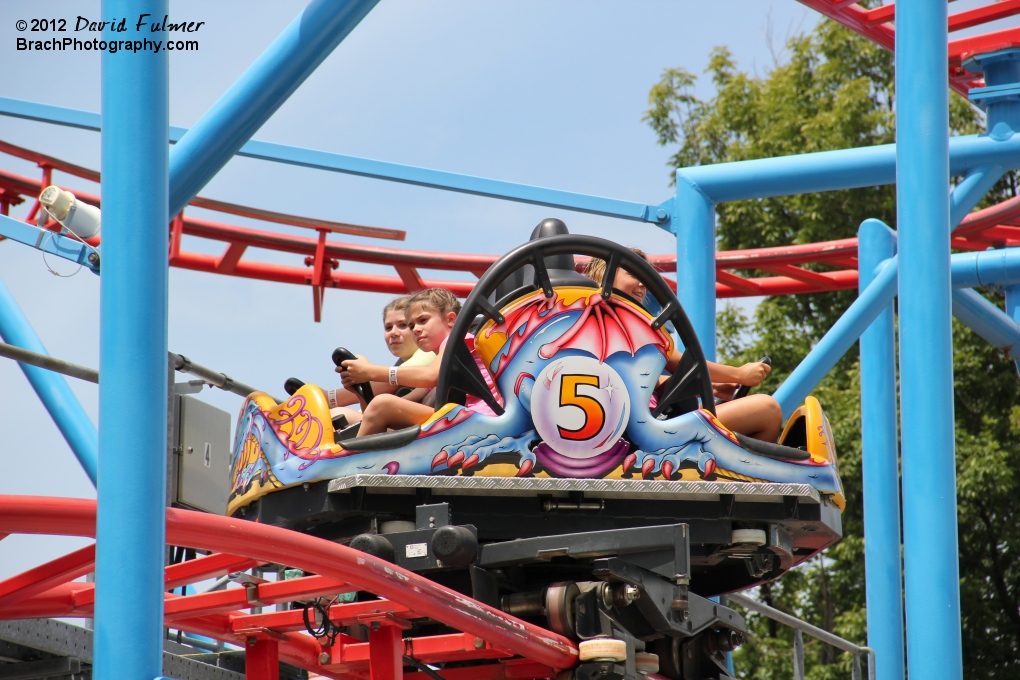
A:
x,y
801,627
181,363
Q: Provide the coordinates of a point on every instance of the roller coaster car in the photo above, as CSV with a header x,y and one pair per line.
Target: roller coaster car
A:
x,y
576,505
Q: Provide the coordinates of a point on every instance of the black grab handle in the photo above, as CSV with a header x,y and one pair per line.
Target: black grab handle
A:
x,y
744,389
363,390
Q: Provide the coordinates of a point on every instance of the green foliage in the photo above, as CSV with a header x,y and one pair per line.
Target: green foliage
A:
x,y
836,92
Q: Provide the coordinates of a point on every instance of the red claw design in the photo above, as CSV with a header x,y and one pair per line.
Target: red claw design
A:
x,y
667,469
439,459
647,467
629,461
525,468
454,459
470,461
709,468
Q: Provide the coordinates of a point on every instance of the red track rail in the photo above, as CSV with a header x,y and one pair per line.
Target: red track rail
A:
x,y
512,648
878,26
783,267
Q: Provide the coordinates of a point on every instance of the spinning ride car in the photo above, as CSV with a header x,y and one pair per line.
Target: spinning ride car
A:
x,y
577,503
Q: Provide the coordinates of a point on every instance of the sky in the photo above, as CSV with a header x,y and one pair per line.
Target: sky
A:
x,y
544,93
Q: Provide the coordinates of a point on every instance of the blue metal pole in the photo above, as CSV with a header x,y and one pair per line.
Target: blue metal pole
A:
x,y
693,223
881,470
52,388
931,567
131,519
970,270
830,170
988,321
969,192
1013,308
258,93
844,333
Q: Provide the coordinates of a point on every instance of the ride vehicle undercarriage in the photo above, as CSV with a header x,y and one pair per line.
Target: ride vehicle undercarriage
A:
x,y
579,506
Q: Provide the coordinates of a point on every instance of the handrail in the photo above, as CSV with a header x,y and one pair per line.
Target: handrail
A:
x,y
814,631
181,363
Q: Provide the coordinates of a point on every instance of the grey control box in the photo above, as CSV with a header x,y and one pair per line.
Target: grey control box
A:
x,y
203,452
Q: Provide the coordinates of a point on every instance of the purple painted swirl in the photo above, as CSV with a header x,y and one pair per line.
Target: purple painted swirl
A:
x,y
562,466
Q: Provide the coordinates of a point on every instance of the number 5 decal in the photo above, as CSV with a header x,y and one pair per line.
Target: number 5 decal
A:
x,y
594,414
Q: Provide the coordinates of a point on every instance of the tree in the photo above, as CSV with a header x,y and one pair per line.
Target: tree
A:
x,y
836,92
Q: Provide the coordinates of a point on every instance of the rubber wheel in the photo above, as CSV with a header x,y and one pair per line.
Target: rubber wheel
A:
x,y
602,649
646,662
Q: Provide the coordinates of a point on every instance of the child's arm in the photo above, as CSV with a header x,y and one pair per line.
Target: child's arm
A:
x,y
749,374
345,397
362,370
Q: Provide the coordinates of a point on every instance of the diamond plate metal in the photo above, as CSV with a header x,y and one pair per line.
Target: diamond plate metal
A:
x,y
592,488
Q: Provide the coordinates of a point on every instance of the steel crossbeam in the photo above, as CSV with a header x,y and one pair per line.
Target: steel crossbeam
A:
x,y
41,578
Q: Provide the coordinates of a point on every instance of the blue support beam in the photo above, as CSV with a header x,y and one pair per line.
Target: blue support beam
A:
x,y
988,268
880,463
258,93
843,334
465,184
988,321
968,270
658,214
131,518
52,388
50,242
693,222
1013,308
833,170
931,566
969,192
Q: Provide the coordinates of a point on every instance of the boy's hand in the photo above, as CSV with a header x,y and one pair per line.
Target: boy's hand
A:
x,y
724,391
753,373
354,371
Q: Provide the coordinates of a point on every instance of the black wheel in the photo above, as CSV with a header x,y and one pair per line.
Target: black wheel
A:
x,y
459,375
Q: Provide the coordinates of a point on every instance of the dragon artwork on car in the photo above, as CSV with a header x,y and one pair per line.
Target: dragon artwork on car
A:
x,y
574,371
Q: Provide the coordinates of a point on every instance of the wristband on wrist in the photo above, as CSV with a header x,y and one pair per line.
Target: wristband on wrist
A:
x,y
393,375
331,395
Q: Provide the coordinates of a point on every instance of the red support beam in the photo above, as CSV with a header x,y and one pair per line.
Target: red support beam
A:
x,y
385,653
518,669
991,216
176,232
799,274
48,163
962,48
261,659
347,614
982,15
296,649
40,579
738,283
229,259
411,278
254,595
209,566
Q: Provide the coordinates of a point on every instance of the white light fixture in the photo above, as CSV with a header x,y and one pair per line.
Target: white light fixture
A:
x,y
80,218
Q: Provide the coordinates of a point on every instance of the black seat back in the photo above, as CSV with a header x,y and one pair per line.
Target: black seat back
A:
x,y
561,267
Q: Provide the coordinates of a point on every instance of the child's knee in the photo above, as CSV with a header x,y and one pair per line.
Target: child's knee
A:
x,y
380,403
